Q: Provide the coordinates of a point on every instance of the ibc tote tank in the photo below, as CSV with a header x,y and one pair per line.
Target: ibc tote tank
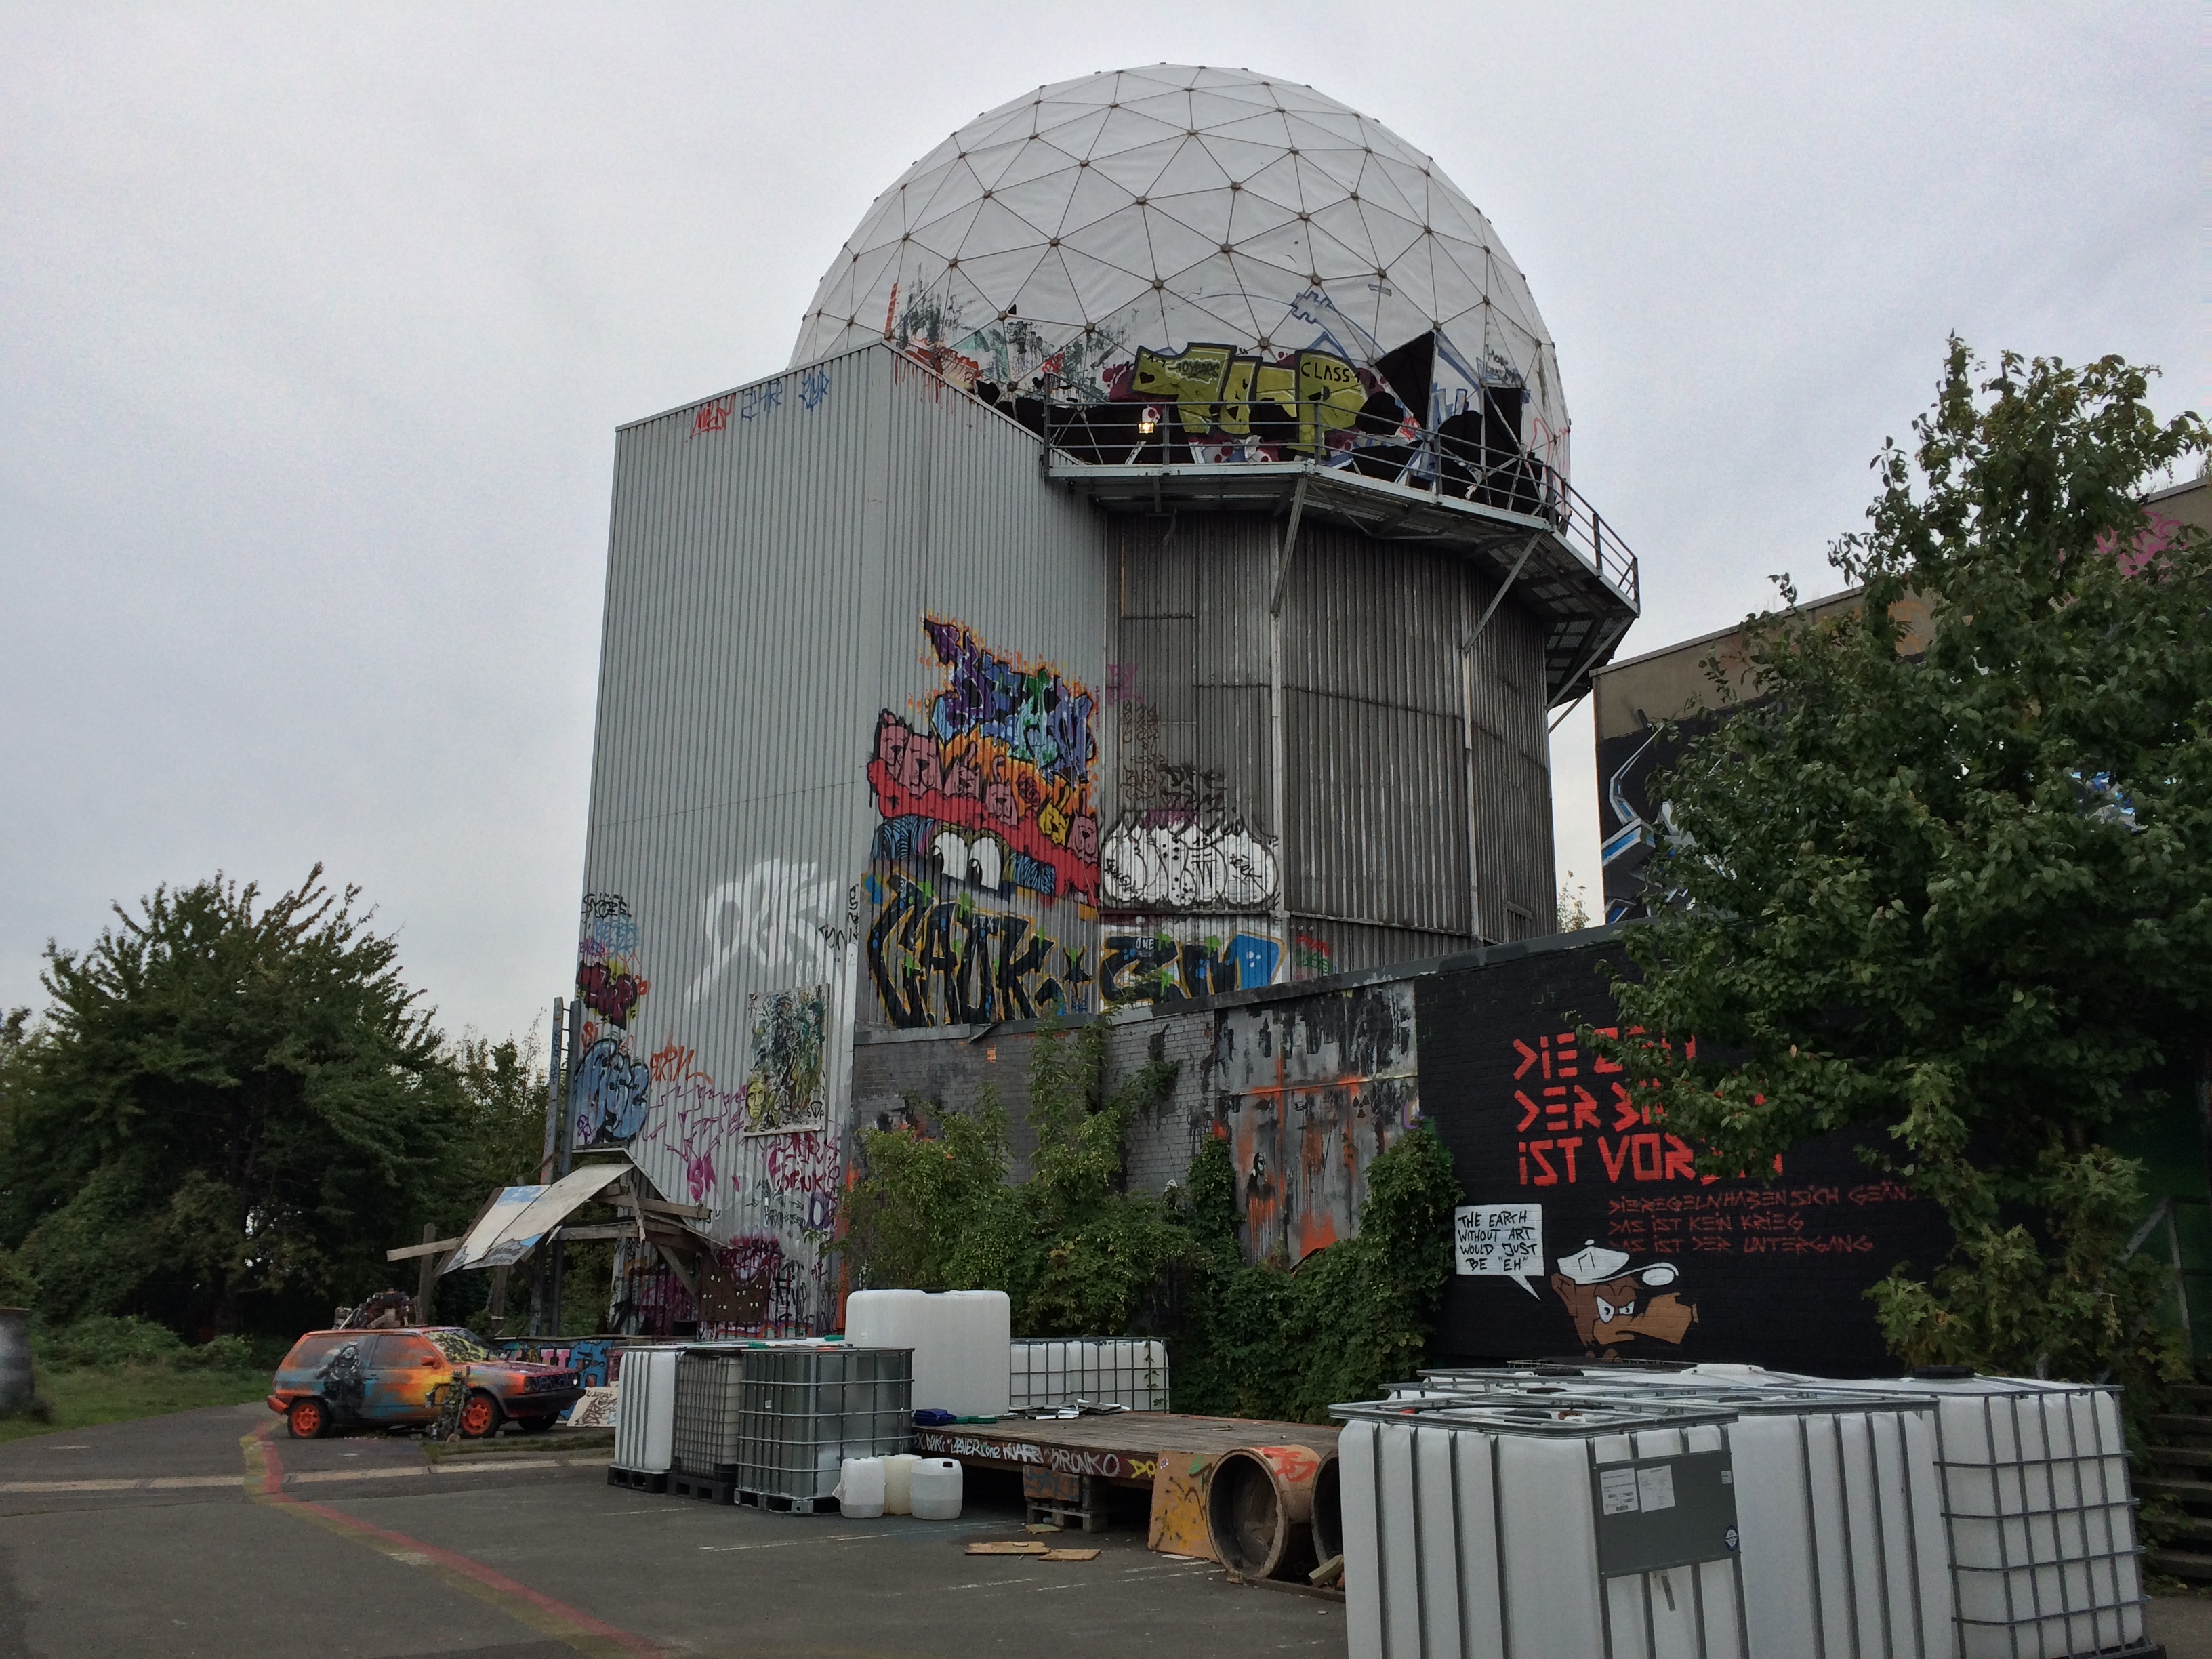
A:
x,y
1838,1492
2041,1512
1524,1531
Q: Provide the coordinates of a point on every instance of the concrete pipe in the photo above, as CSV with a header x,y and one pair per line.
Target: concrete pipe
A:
x,y
1327,1508
1259,1510
14,1360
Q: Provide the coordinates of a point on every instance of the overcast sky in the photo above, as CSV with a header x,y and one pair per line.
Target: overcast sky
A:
x,y
316,324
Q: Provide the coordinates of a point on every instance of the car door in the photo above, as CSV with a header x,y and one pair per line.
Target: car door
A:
x,y
405,1369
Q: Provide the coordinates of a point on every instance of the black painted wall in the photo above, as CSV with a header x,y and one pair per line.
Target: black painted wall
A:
x,y
1772,1274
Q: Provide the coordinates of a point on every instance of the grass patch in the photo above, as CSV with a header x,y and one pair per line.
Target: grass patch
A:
x,y
82,1399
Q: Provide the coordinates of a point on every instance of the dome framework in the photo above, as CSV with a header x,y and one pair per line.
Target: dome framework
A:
x,y
1256,272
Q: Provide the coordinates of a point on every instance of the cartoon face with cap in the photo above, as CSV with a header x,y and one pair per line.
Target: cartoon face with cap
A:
x,y
1612,1303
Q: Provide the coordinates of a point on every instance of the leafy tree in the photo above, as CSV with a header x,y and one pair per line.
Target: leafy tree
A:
x,y
232,1109
1957,900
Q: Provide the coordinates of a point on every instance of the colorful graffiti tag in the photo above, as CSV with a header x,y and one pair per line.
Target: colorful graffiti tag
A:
x,y
1006,753
785,1091
1162,968
610,1091
943,961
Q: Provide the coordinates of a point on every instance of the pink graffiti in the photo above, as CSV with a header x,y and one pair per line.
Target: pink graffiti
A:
x,y
803,1163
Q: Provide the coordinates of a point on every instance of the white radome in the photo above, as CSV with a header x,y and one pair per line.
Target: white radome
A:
x,y
1049,241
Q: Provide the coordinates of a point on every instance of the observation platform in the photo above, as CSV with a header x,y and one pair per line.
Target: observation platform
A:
x,y
1562,563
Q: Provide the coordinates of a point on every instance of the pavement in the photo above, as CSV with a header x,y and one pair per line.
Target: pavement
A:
x,y
213,1532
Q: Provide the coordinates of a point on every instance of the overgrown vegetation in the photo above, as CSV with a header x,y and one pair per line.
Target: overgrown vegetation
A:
x,y
1945,881
1078,1254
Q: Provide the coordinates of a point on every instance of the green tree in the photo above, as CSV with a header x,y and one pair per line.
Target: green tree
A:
x,y
232,1109
1957,899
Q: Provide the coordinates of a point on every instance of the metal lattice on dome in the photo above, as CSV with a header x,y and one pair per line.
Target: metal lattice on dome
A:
x,y
1266,273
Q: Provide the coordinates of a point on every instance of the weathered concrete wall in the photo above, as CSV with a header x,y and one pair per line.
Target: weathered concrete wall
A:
x,y
1307,1083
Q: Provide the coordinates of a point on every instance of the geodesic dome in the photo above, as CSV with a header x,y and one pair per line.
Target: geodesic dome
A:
x,y
1214,241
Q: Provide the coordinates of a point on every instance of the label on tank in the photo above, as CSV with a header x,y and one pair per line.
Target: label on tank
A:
x,y
1664,1512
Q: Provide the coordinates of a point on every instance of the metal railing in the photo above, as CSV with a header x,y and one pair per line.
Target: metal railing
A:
x,y
1446,465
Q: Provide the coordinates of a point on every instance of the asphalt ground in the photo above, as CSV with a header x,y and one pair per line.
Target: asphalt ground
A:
x,y
213,1532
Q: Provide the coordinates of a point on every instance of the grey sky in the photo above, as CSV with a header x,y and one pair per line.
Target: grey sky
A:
x,y
315,326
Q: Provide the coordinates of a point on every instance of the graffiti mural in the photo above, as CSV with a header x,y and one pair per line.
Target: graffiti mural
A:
x,y
1309,1094
785,1091
940,961
610,1090
1160,967
1178,845
781,914
1004,756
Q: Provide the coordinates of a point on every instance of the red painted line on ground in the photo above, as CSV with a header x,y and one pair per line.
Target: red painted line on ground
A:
x,y
272,1484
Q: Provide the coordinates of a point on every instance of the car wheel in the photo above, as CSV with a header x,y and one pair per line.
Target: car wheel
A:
x,y
479,1416
308,1420
534,1424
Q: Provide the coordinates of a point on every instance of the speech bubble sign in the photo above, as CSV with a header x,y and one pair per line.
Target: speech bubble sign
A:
x,y
1500,1241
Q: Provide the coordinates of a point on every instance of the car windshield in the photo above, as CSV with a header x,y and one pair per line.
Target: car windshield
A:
x,y
459,1346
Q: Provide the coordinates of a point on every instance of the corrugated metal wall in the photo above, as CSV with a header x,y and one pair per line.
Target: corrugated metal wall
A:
x,y
1390,730
774,556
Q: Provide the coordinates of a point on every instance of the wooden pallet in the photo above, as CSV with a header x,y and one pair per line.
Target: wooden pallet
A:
x,y
712,1488
776,1503
1066,1501
640,1479
1068,1517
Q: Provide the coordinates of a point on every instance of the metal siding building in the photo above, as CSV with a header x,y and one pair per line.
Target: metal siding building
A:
x,y
774,555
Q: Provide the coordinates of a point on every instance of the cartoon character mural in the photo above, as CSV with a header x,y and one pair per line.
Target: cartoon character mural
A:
x,y
1612,1303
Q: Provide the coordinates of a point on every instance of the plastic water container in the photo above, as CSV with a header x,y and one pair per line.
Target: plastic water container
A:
x,y
1515,1528
1838,1493
2039,1512
936,1489
898,1483
1103,1370
860,1488
960,1340
645,1424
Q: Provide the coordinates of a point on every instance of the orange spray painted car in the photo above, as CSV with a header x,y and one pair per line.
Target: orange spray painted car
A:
x,y
397,1378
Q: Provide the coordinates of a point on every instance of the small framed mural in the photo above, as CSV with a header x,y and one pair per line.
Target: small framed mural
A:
x,y
785,1093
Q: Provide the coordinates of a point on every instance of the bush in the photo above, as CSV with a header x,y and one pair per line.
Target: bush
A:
x,y
106,1342
1257,1341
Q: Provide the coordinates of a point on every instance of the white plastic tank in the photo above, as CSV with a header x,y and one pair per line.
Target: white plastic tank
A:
x,y
960,1339
898,1483
935,1487
1532,1530
860,1488
644,1419
1838,1492
2045,1555
1103,1370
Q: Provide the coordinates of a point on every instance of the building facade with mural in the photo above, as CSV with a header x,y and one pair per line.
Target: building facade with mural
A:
x,y
1149,582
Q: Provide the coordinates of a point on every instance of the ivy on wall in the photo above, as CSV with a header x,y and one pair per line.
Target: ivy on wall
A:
x,y
1078,1254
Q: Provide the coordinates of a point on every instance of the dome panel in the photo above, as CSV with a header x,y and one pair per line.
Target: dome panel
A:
x,y
1062,232
998,229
